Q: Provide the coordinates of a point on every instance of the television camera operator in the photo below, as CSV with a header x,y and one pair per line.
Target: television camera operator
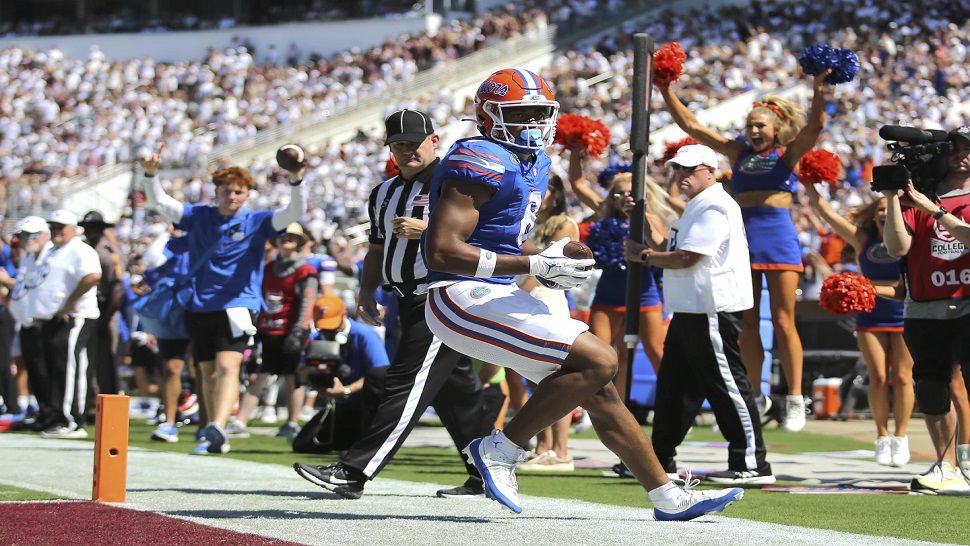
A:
x,y
345,362
934,236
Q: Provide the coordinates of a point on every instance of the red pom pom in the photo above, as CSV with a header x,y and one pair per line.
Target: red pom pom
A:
x,y
820,166
671,150
589,134
390,168
847,293
668,63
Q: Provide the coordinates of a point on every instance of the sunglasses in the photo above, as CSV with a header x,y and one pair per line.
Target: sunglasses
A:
x,y
691,169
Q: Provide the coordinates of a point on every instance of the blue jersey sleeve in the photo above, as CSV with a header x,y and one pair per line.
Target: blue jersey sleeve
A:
x,y
262,222
468,162
189,214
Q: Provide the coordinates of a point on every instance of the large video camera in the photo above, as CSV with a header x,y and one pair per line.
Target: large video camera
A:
x,y
323,363
919,155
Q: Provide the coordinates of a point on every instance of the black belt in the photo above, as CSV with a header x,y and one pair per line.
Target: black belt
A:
x,y
405,290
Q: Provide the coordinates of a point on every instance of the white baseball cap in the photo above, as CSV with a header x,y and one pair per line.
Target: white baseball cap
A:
x,y
693,155
32,224
63,216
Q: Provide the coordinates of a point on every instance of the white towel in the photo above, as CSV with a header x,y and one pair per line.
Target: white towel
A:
x,y
240,322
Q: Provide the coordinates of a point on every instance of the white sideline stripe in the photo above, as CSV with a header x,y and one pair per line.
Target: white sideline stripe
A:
x,y
733,391
272,501
77,373
412,403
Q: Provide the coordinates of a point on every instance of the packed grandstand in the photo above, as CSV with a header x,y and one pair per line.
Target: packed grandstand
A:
x,y
64,117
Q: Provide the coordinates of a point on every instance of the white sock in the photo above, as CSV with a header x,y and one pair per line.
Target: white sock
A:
x,y
507,446
23,401
666,491
963,453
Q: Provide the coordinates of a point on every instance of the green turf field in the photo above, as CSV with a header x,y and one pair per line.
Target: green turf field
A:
x,y
8,493
903,516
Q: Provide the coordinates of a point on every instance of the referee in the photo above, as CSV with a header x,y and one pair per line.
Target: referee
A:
x,y
707,284
424,371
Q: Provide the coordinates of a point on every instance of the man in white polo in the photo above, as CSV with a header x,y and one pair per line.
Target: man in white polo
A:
x,y
707,284
64,306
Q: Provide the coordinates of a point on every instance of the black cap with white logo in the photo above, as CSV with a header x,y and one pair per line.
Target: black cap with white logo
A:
x,y
408,125
960,132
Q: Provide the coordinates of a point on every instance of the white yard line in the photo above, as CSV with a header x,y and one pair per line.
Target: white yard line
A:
x,y
271,500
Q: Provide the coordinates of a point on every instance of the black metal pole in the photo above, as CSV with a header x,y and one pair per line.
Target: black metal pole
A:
x,y
643,47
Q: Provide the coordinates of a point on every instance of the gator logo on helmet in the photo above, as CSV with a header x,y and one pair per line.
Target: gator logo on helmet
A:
x,y
493,88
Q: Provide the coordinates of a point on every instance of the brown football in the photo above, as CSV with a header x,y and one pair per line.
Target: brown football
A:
x,y
291,157
577,250
573,249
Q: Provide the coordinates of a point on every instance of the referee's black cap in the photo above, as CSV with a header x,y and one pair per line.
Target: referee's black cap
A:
x,y
410,125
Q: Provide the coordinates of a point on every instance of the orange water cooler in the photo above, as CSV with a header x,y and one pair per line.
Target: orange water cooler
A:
x,y
825,397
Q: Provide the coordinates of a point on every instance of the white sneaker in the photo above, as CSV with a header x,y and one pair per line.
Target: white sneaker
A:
x,y
235,429
495,457
268,416
71,432
764,405
547,462
794,413
690,504
900,450
166,433
941,477
884,450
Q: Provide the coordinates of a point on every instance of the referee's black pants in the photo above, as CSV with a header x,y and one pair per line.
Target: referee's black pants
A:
x,y
32,351
66,359
702,360
424,372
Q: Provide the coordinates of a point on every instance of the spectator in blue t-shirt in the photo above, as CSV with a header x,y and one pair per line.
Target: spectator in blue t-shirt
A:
x,y
227,243
166,258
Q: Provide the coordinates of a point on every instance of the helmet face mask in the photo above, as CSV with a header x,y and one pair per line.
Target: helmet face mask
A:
x,y
517,108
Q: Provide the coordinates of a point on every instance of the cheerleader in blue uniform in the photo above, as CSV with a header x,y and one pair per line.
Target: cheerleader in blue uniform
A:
x,y
879,332
607,319
776,138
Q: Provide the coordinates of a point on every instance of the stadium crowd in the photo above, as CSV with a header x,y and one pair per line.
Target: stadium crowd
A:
x,y
126,19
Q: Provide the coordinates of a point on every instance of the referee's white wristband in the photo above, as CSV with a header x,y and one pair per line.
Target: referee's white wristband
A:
x,y
486,264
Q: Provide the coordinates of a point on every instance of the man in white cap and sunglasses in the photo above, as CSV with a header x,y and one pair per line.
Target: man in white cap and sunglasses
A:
x,y
707,284
62,306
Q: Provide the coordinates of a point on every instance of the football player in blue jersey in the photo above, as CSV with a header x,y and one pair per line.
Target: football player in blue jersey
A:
x,y
484,200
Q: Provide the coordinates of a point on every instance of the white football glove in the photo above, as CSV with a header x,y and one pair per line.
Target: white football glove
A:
x,y
552,265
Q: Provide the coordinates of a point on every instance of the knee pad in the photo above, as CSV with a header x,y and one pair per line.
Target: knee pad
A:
x,y
933,396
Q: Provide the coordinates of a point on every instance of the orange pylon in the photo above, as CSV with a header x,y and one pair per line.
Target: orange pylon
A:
x,y
111,448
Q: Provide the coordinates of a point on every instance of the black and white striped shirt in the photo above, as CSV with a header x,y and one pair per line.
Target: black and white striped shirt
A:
x,y
404,267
